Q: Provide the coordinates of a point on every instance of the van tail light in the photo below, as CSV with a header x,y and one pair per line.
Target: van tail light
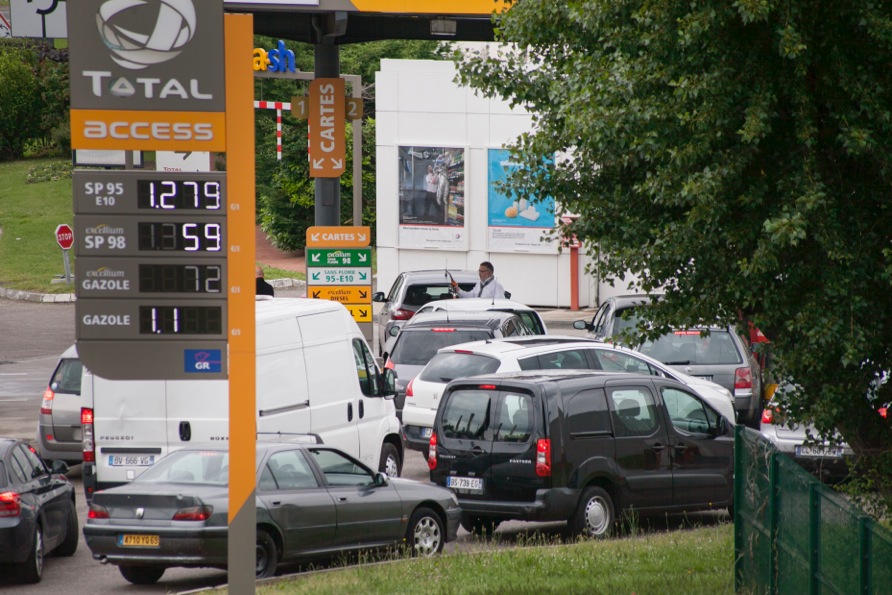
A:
x,y
10,504
97,512
402,314
89,446
543,457
768,416
46,406
743,378
194,513
884,412
432,452
409,391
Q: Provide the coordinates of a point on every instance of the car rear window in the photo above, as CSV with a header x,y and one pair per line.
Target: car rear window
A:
x,y
444,367
419,295
689,347
67,377
417,347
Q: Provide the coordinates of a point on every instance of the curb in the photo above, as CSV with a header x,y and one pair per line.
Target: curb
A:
x,y
30,296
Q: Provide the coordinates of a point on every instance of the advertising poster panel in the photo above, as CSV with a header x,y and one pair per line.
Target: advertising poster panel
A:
x,y
432,197
516,225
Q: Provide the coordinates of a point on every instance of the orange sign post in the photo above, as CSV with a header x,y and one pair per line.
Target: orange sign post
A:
x,y
327,141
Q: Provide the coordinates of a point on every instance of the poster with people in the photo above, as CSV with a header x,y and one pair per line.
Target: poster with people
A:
x,y
432,197
516,224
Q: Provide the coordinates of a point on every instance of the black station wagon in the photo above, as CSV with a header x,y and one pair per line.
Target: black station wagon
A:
x,y
579,446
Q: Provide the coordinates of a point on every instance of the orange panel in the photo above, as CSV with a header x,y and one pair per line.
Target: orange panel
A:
x,y
344,236
327,138
130,130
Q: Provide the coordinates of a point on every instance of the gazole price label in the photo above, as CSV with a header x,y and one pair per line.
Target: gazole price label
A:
x,y
339,276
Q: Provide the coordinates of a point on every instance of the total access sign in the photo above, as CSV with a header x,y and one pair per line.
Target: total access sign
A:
x,y
147,75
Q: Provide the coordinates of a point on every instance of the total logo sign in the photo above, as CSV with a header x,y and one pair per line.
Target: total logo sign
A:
x,y
137,81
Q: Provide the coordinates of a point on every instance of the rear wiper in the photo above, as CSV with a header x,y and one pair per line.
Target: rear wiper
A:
x,y
681,363
444,379
498,429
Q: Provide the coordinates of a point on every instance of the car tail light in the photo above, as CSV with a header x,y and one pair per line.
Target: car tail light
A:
x,y
194,513
401,314
97,512
768,416
432,452
409,391
442,330
47,406
89,447
543,457
487,387
389,365
884,411
743,378
10,504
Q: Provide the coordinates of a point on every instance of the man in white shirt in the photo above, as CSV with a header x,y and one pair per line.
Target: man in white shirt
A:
x,y
487,287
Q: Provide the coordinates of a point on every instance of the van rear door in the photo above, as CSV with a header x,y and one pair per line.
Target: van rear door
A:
x,y
514,448
197,412
464,442
129,424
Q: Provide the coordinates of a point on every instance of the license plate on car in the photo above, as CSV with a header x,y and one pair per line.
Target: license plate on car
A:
x,y
426,432
131,460
131,540
473,484
831,452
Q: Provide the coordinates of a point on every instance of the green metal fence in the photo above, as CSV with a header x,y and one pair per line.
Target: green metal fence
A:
x,y
793,534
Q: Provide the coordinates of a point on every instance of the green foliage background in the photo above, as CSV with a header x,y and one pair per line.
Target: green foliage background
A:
x,y
736,156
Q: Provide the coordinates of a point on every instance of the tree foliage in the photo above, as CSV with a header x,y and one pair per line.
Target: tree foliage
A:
x,y
734,155
33,97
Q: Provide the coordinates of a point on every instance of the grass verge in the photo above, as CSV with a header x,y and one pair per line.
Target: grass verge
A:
x,y
691,562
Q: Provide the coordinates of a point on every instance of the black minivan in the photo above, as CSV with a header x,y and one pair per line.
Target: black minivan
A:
x,y
580,446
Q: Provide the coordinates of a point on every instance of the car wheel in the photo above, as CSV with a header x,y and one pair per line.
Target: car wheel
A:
x,y
141,575
69,546
267,555
477,525
31,570
595,515
390,460
425,533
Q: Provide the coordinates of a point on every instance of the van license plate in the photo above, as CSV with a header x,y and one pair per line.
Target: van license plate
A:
x,y
829,452
130,540
131,461
472,484
426,432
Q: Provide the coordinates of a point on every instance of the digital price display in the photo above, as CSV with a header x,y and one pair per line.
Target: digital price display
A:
x,y
181,278
182,195
151,273
180,320
180,236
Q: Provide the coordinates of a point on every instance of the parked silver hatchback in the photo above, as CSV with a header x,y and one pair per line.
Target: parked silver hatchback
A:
x,y
59,422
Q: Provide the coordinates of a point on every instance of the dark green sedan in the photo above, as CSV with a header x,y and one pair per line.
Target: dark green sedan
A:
x,y
312,501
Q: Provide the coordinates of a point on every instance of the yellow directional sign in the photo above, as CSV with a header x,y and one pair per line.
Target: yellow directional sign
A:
x,y
339,236
360,312
349,294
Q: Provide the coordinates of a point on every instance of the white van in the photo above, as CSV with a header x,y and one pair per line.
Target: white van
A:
x,y
315,374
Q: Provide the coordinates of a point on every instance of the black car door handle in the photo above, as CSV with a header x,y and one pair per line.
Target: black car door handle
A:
x,y
276,503
342,498
657,447
349,411
361,409
477,450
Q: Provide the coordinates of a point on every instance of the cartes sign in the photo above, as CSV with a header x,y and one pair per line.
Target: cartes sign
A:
x,y
147,75
327,143
334,236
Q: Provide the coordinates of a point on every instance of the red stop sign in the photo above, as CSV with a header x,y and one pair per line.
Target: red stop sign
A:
x,y
64,236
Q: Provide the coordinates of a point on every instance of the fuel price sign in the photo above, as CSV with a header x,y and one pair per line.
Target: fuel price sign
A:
x,y
151,273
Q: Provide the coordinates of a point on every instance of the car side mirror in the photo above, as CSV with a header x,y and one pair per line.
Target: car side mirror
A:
x,y
378,296
388,384
59,467
380,479
582,325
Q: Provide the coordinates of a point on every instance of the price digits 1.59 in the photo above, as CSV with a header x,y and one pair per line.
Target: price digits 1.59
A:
x,y
188,237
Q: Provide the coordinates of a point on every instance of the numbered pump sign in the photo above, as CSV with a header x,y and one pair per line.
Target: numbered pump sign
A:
x,y
151,273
